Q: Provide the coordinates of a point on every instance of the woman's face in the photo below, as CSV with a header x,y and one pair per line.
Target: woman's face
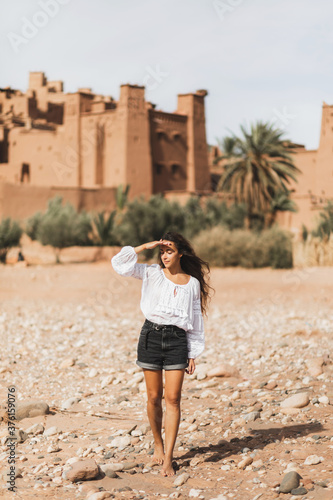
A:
x,y
169,254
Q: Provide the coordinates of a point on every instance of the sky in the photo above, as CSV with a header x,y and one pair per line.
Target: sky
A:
x,y
269,60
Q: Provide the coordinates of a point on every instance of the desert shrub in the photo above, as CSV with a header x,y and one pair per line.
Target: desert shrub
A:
x,y
279,247
10,234
325,224
61,226
195,217
234,217
105,228
146,221
32,225
222,247
305,233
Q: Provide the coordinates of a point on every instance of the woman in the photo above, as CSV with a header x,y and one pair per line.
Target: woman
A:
x,y
173,298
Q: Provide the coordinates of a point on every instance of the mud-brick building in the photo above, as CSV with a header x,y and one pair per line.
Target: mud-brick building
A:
x,y
82,146
314,186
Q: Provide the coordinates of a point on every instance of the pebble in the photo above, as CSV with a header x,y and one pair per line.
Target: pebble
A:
x,y
35,429
181,479
252,416
299,491
67,363
245,462
82,471
289,482
120,442
296,401
324,400
52,431
21,435
224,370
194,493
313,460
30,409
101,495
69,403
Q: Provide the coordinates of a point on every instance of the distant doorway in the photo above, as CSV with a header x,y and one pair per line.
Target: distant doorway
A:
x,y
25,173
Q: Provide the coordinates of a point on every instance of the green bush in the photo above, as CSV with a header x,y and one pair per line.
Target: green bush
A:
x,y
32,225
325,224
10,235
222,248
195,217
61,226
146,221
105,228
234,217
279,246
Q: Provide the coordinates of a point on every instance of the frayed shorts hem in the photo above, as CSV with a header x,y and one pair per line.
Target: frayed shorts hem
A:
x,y
150,366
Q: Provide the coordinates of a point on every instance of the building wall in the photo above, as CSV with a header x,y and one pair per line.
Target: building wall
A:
x,y
168,138
55,140
21,201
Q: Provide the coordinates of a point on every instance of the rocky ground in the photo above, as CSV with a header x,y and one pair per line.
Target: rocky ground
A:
x,y
256,414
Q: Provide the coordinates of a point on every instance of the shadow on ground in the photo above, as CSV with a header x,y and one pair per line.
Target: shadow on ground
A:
x,y
258,440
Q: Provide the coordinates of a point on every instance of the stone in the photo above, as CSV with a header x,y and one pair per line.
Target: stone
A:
x,y
181,479
194,493
315,367
30,409
20,435
245,462
53,448
82,471
224,370
108,471
313,460
289,482
67,363
289,411
120,442
296,401
69,402
118,467
299,491
35,429
52,431
324,400
101,495
252,416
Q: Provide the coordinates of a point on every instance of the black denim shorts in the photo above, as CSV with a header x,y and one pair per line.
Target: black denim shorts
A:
x,y
162,347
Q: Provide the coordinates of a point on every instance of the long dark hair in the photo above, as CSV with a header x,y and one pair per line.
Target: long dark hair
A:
x,y
191,264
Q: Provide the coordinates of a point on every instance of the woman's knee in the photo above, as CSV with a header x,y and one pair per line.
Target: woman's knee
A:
x,y
173,400
155,399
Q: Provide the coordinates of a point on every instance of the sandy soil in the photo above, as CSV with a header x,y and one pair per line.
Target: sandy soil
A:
x,y
70,331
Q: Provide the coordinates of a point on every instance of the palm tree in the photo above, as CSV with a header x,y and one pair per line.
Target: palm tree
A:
x,y
258,165
281,202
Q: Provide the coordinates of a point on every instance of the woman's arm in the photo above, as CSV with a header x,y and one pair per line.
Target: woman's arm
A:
x,y
125,261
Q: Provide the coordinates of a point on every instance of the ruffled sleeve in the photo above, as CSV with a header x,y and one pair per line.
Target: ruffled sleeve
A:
x,y
125,263
196,335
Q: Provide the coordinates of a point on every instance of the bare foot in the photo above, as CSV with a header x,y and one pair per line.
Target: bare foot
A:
x,y
158,456
167,469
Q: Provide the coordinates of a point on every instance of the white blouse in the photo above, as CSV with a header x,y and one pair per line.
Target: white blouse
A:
x,y
163,301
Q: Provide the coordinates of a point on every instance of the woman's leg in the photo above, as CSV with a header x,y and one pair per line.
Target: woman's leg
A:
x,y
173,387
154,385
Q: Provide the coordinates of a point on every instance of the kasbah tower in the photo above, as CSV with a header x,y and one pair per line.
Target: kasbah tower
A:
x,y
82,146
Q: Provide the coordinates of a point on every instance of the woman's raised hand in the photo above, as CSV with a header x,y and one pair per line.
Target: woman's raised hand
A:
x,y
153,244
